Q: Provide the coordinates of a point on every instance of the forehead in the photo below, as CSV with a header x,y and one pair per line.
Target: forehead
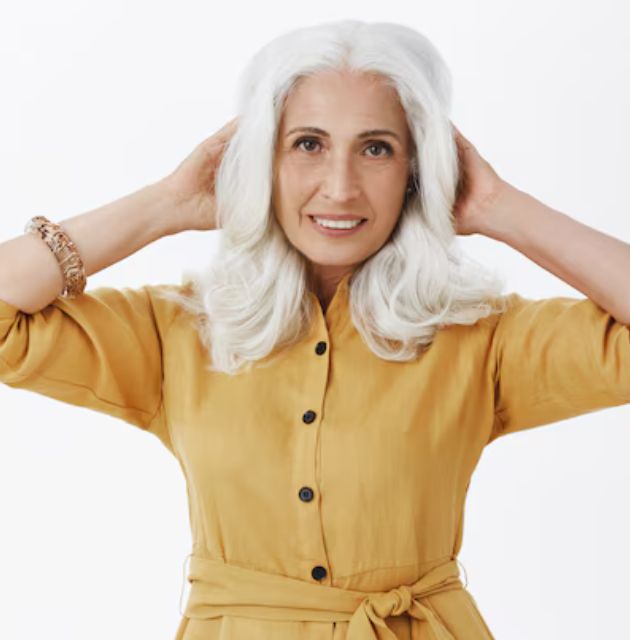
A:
x,y
341,96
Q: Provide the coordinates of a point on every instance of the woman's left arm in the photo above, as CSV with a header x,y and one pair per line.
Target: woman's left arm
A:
x,y
590,261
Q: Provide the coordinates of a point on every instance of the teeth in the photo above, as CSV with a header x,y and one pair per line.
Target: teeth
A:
x,y
338,224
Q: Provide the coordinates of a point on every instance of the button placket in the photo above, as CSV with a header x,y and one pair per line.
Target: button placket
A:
x,y
310,527
306,493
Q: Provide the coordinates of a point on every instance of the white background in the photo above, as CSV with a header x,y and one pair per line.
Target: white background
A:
x,y
100,99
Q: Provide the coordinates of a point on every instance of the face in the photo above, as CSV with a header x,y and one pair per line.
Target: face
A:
x,y
344,167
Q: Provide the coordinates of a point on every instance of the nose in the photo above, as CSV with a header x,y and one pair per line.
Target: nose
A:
x,y
340,182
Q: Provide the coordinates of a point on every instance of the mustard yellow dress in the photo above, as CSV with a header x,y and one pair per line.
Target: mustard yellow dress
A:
x,y
326,491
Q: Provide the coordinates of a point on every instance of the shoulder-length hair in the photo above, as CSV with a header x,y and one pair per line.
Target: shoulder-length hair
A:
x,y
254,297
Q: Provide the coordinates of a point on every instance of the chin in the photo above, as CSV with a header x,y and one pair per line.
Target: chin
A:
x,y
326,259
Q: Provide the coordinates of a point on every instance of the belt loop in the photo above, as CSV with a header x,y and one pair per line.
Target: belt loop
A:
x,y
464,568
184,584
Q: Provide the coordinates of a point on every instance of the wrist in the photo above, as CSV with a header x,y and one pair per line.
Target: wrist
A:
x,y
501,220
165,208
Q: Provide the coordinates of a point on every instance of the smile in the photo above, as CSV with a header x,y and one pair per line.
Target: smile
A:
x,y
334,228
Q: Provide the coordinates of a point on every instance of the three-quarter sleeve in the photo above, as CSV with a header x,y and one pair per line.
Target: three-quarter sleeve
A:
x,y
556,358
101,350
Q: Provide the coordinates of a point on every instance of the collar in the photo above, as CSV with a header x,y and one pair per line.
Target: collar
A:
x,y
337,312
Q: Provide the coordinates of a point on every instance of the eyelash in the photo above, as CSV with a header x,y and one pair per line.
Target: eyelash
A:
x,y
388,148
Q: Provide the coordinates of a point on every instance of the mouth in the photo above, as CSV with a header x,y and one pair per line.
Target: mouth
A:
x,y
337,218
340,228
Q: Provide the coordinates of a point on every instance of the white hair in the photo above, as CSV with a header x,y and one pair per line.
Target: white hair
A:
x,y
253,298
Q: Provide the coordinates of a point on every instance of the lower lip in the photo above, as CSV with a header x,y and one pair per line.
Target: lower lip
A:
x,y
336,232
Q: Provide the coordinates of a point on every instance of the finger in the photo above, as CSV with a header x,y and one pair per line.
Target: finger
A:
x,y
224,133
221,137
230,126
464,143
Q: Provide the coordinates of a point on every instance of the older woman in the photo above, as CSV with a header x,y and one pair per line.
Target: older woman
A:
x,y
329,383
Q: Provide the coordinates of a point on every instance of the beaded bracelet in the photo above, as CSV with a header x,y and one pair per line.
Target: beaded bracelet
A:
x,y
65,252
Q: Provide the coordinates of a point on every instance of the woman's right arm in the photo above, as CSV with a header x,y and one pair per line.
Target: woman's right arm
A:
x,y
103,349
31,278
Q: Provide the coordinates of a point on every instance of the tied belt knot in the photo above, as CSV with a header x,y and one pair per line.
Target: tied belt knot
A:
x,y
391,603
219,589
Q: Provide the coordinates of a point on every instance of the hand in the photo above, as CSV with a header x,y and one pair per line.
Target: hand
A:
x,y
478,189
192,183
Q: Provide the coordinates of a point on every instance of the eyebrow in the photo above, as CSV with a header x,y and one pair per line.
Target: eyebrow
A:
x,y
363,134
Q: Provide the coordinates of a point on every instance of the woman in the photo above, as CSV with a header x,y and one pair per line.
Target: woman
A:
x,y
329,383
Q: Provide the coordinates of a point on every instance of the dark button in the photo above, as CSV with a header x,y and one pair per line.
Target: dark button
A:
x,y
318,572
320,348
306,494
309,416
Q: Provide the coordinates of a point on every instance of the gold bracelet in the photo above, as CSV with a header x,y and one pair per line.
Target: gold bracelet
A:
x,y
65,252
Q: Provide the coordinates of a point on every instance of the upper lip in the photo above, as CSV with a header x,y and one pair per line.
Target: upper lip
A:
x,y
330,216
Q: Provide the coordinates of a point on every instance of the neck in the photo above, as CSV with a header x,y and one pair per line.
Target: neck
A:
x,y
324,284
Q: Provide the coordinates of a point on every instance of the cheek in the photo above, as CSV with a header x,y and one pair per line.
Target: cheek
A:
x,y
300,172
386,197
286,202
282,188
289,178
294,192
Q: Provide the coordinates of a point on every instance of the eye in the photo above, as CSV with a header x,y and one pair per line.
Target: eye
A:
x,y
299,141
381,145
374,144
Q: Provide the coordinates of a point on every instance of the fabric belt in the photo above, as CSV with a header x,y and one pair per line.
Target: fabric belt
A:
x,y
219,589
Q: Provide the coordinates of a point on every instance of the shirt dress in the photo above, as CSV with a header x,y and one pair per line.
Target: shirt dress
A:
x,y
326,489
